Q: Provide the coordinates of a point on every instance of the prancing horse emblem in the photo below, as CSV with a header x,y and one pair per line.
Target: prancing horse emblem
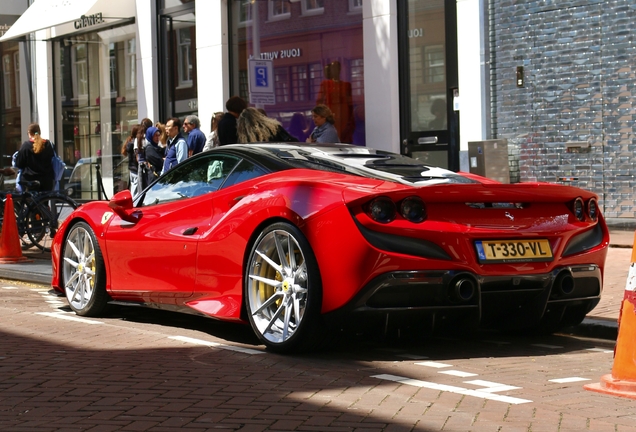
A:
x,y
509,216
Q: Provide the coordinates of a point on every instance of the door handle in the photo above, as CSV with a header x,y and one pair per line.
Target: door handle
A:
x,y
190,231
236,199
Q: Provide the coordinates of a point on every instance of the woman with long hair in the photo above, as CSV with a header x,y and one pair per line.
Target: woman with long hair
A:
x,y
213,137
35,159
253,126
325,131
128,149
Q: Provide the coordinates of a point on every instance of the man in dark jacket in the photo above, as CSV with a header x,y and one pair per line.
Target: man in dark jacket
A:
x,y
177,149
227,125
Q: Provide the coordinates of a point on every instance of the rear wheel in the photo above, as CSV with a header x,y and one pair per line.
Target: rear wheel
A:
x,y
44,217
283,290
83,272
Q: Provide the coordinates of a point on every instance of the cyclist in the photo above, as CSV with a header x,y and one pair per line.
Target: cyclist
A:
x,y
34,159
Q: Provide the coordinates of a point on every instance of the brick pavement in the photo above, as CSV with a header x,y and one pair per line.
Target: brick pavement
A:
x,y
122,374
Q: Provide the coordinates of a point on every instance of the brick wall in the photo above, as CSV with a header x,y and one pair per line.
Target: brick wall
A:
x,y
573,121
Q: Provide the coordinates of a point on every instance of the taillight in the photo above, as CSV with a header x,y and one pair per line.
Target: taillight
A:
x,y
592,209
578,209
413,209
382,210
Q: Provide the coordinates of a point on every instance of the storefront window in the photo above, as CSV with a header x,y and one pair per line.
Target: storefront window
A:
x,y
11,131
97,110
317,58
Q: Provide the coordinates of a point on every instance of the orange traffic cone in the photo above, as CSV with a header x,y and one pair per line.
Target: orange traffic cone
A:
x,y
622,380
10,249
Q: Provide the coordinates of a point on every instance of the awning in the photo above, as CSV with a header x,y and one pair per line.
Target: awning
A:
x,y
84,14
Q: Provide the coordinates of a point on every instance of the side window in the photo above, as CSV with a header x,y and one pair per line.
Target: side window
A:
x,y
243,172
191,179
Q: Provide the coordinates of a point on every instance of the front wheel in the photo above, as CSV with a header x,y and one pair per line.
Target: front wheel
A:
x,y
283,290
83,272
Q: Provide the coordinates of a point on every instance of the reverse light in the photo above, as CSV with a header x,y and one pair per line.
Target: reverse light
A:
x,y
592,209
578,209
382,210
413,209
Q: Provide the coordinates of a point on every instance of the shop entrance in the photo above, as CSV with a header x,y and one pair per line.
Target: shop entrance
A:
x,y
428,81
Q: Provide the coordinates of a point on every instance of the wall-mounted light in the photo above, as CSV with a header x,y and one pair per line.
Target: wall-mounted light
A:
x,y
520,76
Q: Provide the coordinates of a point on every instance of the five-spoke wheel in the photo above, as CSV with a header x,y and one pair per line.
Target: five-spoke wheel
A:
x,y
83,272
282,289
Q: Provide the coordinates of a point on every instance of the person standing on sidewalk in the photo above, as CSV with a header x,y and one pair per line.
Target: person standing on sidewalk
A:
x,y
196,138
227,125
177,148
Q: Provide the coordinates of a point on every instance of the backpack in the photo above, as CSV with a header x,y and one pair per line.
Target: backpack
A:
x,y
58,165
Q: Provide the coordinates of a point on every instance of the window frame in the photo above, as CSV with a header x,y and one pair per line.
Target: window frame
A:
x,y
16,71
6,80
314,10
355,6
184,82
271,16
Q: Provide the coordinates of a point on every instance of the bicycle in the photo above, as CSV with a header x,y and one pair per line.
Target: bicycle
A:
x,y
38,214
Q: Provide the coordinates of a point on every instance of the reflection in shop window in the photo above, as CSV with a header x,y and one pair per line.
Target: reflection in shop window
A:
x,y
279,9
131,64
315,78
243,85
357,77
62,75
435,70
16,69
245,11
313,7
355,5
184,57
299,83
281,86
80,73
6,79
113,70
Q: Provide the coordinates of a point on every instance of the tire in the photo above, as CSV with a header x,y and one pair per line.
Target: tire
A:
x,y
83,272
283,297
44,217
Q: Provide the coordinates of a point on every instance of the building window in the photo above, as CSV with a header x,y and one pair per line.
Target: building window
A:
x,y
16,69
357,77
184,57
113,70
245,11
244,84
279,9
355,5
281,84
299,83
131,64
6,79
313,7
435,70
80,72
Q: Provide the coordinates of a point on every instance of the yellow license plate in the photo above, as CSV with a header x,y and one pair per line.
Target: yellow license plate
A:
x,y
498,251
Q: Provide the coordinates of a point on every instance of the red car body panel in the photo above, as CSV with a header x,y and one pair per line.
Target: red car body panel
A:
x,y
154,261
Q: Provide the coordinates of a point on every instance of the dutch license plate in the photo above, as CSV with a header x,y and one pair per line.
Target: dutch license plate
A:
x,y
494,251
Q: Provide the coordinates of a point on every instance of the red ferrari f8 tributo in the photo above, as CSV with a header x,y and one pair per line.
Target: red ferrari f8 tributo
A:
x,y
285,236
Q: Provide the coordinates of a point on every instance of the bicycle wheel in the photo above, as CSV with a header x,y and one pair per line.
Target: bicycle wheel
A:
x,y
44,216
20,209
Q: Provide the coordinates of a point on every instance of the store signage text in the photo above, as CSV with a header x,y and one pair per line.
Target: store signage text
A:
x,y
87,21
418,32
284,53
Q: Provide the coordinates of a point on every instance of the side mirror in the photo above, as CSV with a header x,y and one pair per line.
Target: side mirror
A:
x,y
122,205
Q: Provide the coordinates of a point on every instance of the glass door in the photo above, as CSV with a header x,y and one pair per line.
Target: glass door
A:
x,y
428,81
178,77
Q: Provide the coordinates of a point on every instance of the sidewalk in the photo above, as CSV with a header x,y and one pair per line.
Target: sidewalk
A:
x,y
602,322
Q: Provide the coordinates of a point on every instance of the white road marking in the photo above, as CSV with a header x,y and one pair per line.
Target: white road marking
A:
x,y
569,380
433,364
451,389
491,387
68,317
457,373
547,346
215,344
10,288
603,350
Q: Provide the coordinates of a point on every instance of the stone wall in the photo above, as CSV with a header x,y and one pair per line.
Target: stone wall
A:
x,y
573,120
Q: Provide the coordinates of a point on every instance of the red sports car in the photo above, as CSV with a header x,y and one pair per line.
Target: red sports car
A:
x,y
286,237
